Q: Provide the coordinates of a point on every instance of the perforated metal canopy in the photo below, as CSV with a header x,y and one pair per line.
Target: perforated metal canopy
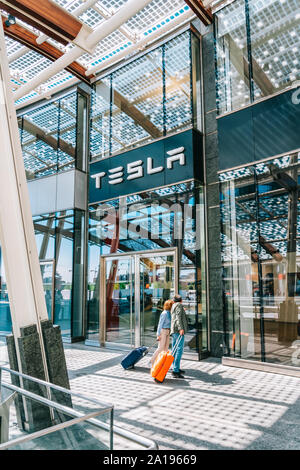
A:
x,y
26,64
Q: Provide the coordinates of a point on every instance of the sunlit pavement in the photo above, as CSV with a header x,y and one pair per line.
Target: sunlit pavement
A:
x,y
214,407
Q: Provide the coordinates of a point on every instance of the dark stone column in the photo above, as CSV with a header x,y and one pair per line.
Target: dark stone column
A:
x,y
32,415
56,362
212,198
35,416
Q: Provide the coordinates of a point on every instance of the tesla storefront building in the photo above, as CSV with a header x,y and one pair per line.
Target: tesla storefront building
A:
x,y
176,172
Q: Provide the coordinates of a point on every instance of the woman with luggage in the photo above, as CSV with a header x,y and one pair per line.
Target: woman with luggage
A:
x,y
163,330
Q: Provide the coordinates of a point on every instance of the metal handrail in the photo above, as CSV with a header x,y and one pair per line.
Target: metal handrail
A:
x,y
52,386
78,417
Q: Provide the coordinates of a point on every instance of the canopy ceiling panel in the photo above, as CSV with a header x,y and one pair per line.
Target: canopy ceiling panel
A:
x,y
50,28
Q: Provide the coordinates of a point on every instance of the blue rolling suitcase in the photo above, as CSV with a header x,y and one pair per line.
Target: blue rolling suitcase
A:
x,y
133,357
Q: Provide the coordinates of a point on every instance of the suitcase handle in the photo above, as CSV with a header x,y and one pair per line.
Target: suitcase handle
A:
x,y
177,344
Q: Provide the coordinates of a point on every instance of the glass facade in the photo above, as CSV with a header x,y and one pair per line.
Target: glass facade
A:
x,y
53,136
261,260
148,98
60,243
257,50
151,97
164,219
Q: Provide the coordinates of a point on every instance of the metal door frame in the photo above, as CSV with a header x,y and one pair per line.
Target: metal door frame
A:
x,y
135,256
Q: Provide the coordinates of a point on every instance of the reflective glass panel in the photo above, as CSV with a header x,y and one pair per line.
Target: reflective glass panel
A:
x,y
100,120
64,271
157,284
120,317
170,217
48,137
137,107
260,232
233,82
178,83
275,32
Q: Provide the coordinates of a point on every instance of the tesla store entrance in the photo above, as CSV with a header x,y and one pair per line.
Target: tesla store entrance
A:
x,y
135,287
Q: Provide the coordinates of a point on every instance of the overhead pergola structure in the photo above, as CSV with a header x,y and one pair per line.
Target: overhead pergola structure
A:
x,y
51,44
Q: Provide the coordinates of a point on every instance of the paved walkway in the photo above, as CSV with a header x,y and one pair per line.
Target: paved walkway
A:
x,y
214,407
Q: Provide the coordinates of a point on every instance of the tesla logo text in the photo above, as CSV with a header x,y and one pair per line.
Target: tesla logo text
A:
x,y
136,169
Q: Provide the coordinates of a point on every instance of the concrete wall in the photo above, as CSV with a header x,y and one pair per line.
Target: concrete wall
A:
x,y
58,192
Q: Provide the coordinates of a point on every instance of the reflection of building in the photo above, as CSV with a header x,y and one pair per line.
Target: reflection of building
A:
x,y
126,176
259,159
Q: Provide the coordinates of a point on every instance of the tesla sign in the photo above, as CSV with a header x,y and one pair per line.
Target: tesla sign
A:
x,y
158,164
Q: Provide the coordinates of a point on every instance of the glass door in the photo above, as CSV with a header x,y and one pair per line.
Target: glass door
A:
x,y
135,288
157,284
119,301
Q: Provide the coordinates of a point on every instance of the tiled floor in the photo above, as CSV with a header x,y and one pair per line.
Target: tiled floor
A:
x,y
214,407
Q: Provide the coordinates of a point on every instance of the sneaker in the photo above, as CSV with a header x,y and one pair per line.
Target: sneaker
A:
x,y
178,375
182,371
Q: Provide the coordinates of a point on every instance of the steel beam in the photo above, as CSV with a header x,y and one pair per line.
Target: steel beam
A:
x,y
46,16
24,281
204,14
30,40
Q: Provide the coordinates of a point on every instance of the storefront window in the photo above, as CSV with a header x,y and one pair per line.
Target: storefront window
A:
x,y
60,241
167,220
257,50
64,271
260,250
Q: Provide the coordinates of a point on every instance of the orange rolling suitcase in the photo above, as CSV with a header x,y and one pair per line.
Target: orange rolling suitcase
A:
x,y
163,363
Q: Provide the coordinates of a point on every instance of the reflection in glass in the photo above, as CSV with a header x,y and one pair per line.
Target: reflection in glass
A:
x,y
157,284
154,221
47,271
137,102
148,98
264,32
120,318
260,249
48,137
55,243
100,120
275,29
233,83
64,271
178,83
